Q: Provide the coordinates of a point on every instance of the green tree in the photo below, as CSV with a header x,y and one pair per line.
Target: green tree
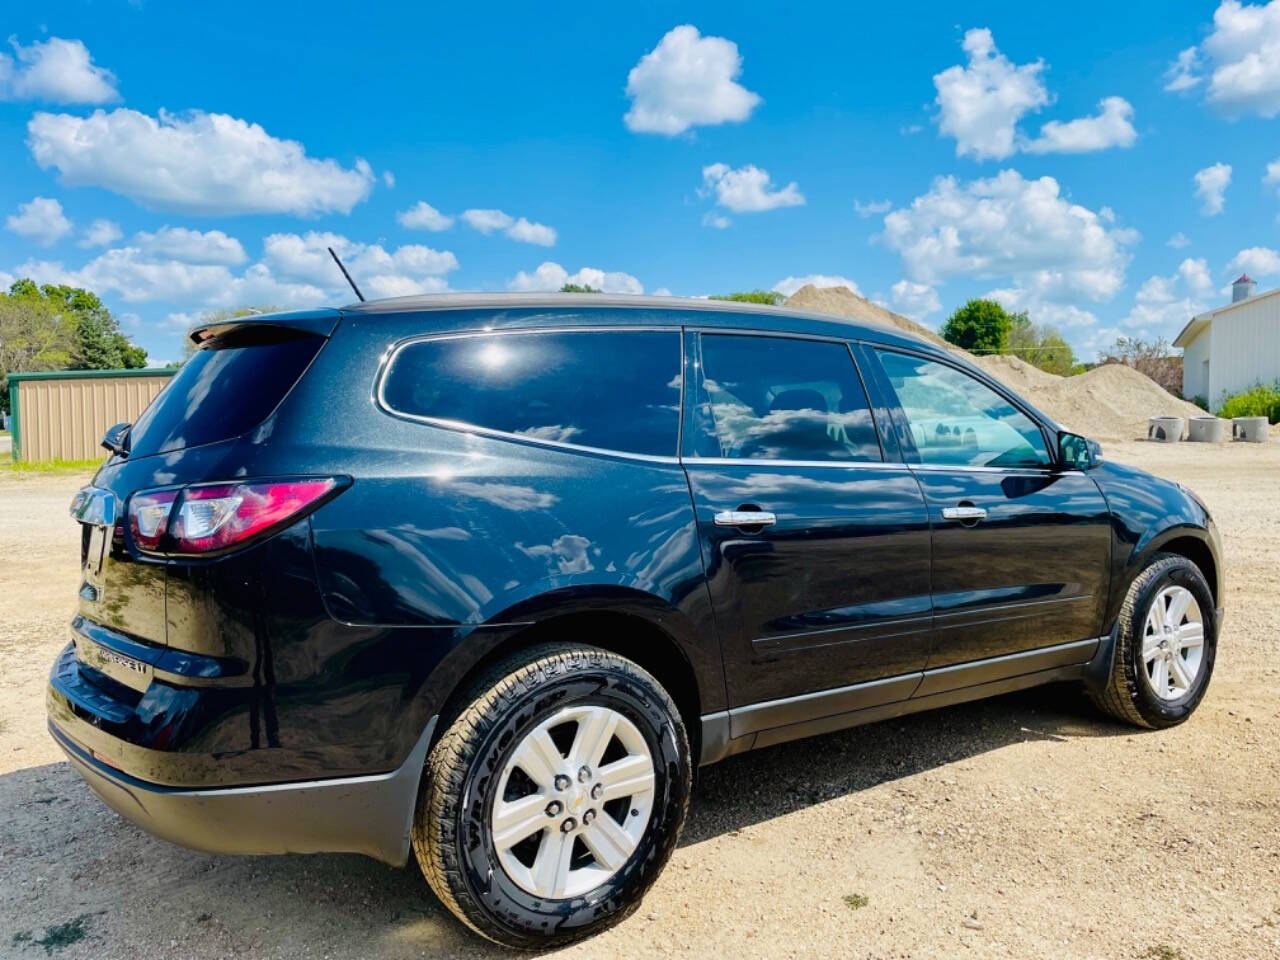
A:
x,y
769,297
57,327
579,288
980,326
1041,345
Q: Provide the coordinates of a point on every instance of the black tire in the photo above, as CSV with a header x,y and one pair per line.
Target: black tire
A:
x,y
1128,695
451,835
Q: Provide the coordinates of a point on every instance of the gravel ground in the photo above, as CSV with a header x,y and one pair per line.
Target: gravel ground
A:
x,y
1025,826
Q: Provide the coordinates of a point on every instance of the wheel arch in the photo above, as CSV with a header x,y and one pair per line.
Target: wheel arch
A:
x,y
630,623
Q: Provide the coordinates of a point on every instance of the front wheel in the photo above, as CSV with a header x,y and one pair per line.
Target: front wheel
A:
x,y
554,799
1166,640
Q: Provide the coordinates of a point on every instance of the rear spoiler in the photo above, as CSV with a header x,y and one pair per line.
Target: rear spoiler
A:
x,y
319,322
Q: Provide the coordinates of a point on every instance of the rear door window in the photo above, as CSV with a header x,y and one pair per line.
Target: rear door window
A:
x,y
226,388
778,398
608,389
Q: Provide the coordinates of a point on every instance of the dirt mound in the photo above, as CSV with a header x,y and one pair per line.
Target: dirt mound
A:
x,y
843,302
1016,373
1110,402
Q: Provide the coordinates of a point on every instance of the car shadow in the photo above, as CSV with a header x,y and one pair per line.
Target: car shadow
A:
x,y
70,864
758,786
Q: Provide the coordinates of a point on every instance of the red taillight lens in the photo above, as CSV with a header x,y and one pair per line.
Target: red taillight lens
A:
x,y
217,516
149,517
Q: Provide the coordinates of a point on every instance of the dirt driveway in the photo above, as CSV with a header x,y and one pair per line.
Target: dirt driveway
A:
x,y
1020,827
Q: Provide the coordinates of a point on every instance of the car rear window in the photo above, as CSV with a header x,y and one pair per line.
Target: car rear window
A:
x,y
614,390
227,387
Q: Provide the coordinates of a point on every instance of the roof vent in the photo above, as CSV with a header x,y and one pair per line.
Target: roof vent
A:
x,y
1242,289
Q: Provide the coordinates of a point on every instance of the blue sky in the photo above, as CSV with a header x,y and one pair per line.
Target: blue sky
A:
x,y
1072,162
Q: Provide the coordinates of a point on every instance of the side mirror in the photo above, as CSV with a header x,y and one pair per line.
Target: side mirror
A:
x,y
116,439
1077,452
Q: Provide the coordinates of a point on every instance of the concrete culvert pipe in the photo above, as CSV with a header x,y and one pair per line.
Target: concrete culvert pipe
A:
x,y
1206,430
1250,429
1165,429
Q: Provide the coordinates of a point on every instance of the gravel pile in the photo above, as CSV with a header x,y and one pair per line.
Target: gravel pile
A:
x,y
1111,402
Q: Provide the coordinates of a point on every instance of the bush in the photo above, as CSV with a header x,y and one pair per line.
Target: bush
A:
x,y
1257,401
980,326
767,297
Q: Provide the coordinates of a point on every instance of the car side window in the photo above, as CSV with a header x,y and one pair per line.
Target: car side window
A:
x,y
610,389
777,398
956,420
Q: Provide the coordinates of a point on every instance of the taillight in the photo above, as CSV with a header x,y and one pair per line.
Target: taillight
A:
x,y
149,517
214,517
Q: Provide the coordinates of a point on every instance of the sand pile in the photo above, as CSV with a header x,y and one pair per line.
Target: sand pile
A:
x,y
1111,402
1017,373
843,302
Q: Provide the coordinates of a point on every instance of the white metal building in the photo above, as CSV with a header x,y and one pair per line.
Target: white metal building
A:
x,y
1233,347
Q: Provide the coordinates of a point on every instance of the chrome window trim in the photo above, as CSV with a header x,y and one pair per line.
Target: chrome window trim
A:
x,y
836,464
461,426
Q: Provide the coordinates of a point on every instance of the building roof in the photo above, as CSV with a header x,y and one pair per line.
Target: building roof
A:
x,y
1200,322
1243,278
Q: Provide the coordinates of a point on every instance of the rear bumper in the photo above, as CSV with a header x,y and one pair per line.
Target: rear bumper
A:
x,y
371,814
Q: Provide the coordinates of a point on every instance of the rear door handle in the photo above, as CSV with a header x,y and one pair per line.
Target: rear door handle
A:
x,y
744,518
964,513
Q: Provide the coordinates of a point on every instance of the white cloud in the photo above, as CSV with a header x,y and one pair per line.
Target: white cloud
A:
x,y
790,285
1182,73
1005,226
1272,176
191,246
487,221
57,70
388,178
1242,57
409,269
1260,261
747,189
872,209
204,163
423,216
550,276
528,232
40,220
687,80
296,271
1163,304
717,220
980,104
1211,185
1178,240
100,233
1112,127
915,300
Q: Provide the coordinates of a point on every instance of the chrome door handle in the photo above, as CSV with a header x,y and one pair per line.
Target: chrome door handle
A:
x,y
964,513
744,518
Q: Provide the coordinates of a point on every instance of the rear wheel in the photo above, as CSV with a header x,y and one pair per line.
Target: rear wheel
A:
x,y
555,797
1166,639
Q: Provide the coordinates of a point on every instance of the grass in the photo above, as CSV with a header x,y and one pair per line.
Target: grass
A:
x,y
1164,952
855,901
25,468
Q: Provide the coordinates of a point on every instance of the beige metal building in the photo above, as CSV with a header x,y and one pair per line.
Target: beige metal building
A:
x,y
62,414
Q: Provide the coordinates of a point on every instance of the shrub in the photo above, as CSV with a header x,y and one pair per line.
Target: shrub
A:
x,y
980,326
768,297
1257,401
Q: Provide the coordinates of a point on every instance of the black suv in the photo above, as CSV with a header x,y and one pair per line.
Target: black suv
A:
x,y
487,577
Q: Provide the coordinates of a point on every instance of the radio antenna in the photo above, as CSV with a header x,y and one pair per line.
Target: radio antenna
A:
x,y
359,295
